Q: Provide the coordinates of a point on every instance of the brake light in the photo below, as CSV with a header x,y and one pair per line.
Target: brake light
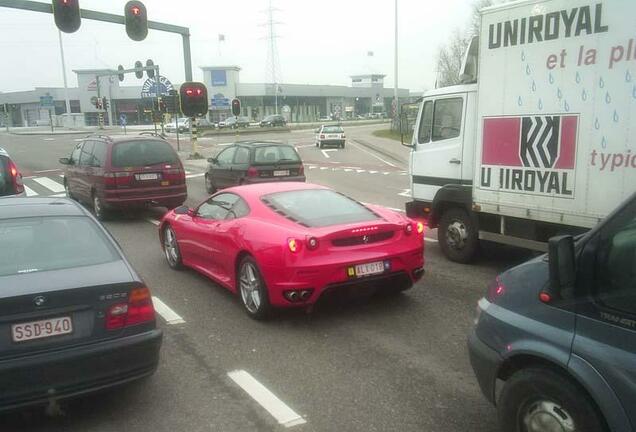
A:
x,y
420,227
252,172
496,289
139,309
293,244
115,179
16,177
175,175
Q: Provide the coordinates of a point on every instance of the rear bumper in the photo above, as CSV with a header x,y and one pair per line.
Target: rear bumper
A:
x,y
332,142
405,269
485,362
255,180
146,199
79,370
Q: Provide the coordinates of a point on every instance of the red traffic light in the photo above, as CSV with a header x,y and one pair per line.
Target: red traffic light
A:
x,y
136,20
67,15
236,107
194,99
135,10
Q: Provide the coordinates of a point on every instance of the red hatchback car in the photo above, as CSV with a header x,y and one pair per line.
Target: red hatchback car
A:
x,y
285,244
124,172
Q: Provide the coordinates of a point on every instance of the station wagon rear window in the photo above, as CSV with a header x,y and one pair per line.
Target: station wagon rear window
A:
x,y
332,129
318,207
143,153
36,244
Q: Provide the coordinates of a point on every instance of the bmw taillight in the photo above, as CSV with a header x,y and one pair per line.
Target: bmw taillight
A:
x,y
116,179
496,289
16,178
252,172
322,137
139,309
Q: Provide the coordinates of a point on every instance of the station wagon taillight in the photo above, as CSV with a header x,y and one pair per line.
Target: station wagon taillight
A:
x,y
174,175
252,172
16,177
139,309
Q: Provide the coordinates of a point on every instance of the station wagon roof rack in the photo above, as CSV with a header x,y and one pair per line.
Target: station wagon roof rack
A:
x,y
155,134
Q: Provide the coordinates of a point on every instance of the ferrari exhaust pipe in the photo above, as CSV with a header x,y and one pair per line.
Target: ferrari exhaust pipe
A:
x,y
305,294
293,296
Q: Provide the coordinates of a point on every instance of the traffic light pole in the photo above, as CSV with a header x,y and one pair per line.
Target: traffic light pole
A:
x,y
193,137
115,19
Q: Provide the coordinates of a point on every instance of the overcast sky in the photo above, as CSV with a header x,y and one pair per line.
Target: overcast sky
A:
x,y
321,42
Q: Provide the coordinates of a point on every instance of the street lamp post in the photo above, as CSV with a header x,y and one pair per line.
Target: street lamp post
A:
x,y
395,65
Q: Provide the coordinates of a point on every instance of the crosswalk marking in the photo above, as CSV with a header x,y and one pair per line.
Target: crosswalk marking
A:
x,y
29,191
49,184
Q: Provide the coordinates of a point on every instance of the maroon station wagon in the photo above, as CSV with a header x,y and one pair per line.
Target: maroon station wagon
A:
x,y
124,172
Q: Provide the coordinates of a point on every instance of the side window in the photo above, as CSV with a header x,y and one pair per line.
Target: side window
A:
x,y
426,123
447,118
75,156
242,156
217,207
99,154
239,210
86,157
226,156
616,263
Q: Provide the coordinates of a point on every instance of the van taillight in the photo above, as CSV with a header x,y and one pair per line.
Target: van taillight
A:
x,y
496,289
16,177
139,309
115,179
252,172
174,175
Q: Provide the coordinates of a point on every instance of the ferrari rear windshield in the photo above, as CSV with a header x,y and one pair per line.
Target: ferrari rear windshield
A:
x,y
318,207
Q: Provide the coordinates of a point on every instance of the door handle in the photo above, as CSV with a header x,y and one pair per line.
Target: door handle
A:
x,y
455,161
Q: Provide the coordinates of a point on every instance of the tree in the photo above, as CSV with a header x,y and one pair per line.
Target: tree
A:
x,y
451,55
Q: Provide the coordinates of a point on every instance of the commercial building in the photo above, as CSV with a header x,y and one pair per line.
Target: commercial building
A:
x,y
297,102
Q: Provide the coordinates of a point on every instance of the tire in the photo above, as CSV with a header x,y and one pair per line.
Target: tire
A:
x,y
98,208
252,290
209,186
540,396
458,236
171,248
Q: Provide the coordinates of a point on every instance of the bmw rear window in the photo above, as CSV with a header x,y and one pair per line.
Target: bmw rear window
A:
x,y
274,154
143,153
318,207
37,244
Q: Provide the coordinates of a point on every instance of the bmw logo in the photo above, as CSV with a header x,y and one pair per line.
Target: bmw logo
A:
x,y
39,300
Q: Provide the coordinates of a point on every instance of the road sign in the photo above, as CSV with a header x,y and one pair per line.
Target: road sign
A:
x,y
123,120
153,87
219,102
46,101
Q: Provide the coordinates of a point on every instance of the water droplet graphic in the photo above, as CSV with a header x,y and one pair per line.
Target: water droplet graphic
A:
x,y
519,101
615,117
566,106
601,82
628,76
608,98
534,86
528,70
578,78
551,78
604,143
597,124
540,104
584,95
523,56
559,93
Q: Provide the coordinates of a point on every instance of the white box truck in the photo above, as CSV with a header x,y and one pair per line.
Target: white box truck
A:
x,y
541,140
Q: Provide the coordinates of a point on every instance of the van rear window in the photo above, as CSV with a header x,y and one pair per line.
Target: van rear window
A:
x,y
143,153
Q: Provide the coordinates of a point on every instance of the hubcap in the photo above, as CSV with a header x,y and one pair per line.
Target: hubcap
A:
x,y
97,206
250,288
456,235
545,416
170,246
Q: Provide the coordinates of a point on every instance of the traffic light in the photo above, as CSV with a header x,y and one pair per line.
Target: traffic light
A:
x,y
121,75
150,72
105,104
136,20
98,103
172,102
194,99
236,107
139,74
67,15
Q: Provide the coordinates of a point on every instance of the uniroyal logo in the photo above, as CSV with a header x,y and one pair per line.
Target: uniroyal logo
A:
x,y
531,154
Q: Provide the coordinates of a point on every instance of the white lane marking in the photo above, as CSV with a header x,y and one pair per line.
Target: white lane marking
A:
x,y
323,168
225,144
432,240
373,172
386,173
153,221
361,171
49,139
60,195
46,171
372,154
325,153
405,193
348,169
29,191
265,398
312,167
189,176
49,184
78,139
166,313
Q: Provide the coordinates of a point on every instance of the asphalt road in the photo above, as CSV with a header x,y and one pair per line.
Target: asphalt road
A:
x,y
372,364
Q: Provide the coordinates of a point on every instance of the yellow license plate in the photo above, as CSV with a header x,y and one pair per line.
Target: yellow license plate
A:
x,y
165,183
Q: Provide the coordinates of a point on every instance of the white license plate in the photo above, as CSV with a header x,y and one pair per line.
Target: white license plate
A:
x,y
41,329
333,136
369,268
281,173
150,176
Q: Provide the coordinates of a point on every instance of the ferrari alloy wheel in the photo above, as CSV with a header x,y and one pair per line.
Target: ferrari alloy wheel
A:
x,y
171,248
252,289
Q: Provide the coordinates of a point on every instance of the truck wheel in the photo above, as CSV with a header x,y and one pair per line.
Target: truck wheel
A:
x,y
458,235
539,399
